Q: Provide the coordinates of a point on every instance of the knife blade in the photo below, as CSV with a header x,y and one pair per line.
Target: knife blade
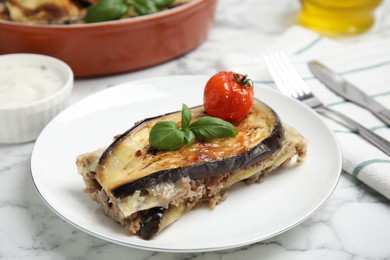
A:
x,y
347,90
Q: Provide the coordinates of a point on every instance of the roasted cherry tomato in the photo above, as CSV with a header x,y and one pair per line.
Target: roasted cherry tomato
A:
x,y
228,96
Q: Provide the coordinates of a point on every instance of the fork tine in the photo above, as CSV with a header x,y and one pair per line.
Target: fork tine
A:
x,y
292,82
295,76
273,68
290,79
285,74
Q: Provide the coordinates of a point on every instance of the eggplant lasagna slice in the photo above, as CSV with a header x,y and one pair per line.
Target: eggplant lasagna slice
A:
x,y
146,190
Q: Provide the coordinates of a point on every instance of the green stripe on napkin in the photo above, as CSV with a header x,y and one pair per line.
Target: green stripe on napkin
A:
x,y
374,66
362,165
310,45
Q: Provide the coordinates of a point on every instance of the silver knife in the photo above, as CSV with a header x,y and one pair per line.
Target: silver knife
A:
x,y
347,90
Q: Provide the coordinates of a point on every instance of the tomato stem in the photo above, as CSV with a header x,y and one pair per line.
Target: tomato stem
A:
x,y
243,80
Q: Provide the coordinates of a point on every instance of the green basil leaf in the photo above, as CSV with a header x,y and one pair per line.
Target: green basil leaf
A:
x,y
189,137
106,10
185,117
166,135
211,127
144,7
163,3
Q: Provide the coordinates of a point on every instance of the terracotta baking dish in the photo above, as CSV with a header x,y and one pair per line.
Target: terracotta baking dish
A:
x,y
117,46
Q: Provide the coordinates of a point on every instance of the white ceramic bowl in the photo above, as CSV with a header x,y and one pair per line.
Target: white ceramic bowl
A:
x,y
23,121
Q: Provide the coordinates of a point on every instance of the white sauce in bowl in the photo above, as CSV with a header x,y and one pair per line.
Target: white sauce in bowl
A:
x,y
22,84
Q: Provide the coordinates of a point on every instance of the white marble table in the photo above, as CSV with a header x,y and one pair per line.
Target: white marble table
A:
x,y
353,224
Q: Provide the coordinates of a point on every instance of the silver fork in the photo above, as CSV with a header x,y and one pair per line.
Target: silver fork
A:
x,y
290,83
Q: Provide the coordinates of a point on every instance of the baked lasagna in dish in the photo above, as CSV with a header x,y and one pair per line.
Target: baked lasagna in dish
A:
x,y
79,11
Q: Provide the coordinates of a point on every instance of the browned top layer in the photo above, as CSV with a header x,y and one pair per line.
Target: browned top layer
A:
x,y
128,158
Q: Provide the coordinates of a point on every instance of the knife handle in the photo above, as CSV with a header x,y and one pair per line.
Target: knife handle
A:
x,y
354,126
384,115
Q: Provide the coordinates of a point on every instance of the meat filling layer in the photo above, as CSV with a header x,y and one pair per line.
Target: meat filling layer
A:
x,y
146,212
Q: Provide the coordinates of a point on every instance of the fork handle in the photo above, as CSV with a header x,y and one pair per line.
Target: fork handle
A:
x,y
354,126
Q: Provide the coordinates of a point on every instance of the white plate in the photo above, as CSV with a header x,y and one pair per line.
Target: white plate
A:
x,y
250,213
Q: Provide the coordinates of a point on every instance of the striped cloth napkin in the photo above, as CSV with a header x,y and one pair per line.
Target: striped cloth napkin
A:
x,y
367,65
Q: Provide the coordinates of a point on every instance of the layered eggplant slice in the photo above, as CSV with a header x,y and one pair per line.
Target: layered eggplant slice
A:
x,y
146,190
